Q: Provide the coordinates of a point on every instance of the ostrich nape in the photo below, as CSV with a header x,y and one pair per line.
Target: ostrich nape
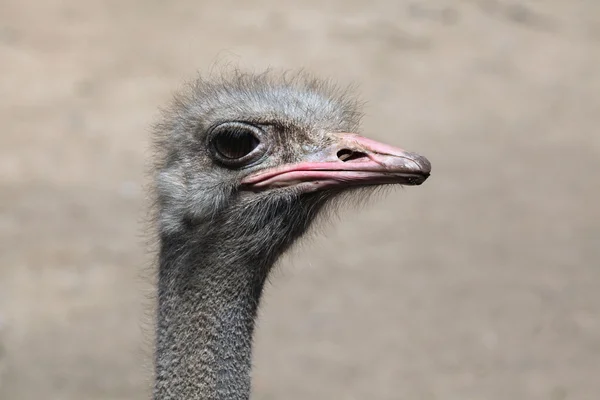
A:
x,y
244,165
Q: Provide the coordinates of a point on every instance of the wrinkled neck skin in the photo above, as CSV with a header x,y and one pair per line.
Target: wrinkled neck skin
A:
x,y
211,275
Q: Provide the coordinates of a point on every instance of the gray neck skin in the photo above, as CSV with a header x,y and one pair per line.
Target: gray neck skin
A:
x,y
205,325
209,286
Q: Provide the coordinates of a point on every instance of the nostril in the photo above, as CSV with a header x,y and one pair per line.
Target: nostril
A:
x,y
347,155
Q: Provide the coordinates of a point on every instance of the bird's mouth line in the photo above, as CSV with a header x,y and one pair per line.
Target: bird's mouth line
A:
x,y
317,176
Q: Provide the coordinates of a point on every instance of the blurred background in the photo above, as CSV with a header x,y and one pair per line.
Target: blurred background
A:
x,y
484,283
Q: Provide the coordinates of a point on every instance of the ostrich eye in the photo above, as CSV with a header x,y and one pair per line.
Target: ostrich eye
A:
x,y
236,144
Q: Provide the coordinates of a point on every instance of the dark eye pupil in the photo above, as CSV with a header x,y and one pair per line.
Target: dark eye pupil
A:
x,y
235,143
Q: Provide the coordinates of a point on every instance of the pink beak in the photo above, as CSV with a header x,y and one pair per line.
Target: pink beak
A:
x,y
351,161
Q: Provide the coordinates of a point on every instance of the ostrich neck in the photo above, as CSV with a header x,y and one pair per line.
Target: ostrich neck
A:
x,y
206,311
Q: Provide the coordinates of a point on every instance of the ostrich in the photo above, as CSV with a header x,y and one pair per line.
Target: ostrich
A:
x,y
244,164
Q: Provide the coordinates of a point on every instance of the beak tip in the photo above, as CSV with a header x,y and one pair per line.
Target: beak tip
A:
x,y
423,166
418,179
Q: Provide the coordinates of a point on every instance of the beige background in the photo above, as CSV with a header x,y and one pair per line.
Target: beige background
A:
x,y
482,284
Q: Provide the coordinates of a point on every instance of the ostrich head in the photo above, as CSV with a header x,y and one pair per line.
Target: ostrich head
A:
x,y
249,161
